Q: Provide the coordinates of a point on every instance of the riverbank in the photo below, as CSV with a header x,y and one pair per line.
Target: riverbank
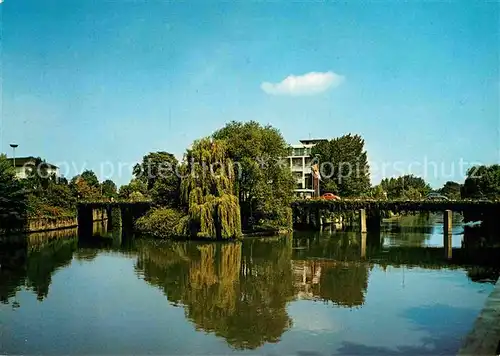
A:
x,y
47,224
484,338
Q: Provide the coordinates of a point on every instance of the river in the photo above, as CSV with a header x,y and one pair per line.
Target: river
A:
x,y
306,294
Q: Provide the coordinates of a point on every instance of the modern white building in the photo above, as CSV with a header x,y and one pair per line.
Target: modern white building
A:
x,y
300,160
25,165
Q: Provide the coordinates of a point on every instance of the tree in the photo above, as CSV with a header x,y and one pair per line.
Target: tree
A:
x,y
451,190
408,186
344,165
90,178
378,192
83,190
208,192
158,171
155,165
109,189
13,200
482,182
135,185
47,194
264,184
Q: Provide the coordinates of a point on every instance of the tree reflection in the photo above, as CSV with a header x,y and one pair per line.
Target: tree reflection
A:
x,y
238,291
33,264
13,270
44,261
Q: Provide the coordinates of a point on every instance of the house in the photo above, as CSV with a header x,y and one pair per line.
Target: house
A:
x,y
300,160
24,165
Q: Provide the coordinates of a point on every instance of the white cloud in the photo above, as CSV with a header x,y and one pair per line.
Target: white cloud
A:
x,y
308,84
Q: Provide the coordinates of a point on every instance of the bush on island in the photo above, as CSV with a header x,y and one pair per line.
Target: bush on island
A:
x,y
160,222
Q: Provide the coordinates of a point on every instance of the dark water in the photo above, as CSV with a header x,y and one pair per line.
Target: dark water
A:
x,y
310,294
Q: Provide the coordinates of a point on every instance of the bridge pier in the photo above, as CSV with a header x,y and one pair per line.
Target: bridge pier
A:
x,y
362,220
447,220
116,217
447,229
85,220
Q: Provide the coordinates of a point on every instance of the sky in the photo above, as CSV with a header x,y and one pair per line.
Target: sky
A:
x,y
90,84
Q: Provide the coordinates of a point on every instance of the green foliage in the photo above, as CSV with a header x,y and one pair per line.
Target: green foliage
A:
x,y
108,188
165,191
208,190
155,177
160,222
344,163
13,205
408,186
377,192
137,196
279,219
85,188
158,171
482,182
135,185
451,190
48,196
264,184
90,178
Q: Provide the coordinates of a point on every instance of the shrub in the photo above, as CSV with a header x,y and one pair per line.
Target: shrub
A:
x,y
280,219
160,222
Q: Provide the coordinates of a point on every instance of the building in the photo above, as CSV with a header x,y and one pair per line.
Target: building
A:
x,y
300,160
24,165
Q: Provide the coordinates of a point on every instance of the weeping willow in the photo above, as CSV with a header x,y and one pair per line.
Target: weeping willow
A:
x,y
208,192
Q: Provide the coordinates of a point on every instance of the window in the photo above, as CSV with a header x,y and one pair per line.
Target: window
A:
x,y
299,152
308,181
296,163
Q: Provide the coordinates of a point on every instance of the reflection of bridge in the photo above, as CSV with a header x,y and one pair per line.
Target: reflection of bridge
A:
x,y
342,283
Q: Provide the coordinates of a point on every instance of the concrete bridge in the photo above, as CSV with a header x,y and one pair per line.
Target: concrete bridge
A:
x,y
311,212
120,214
365,213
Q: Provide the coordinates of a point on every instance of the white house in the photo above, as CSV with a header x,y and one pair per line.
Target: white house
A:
x,y
300,164
24,165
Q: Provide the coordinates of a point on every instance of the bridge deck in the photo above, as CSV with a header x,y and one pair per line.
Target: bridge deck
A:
x,y
398,205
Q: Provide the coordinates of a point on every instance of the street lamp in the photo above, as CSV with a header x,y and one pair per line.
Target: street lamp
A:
x,y
14,146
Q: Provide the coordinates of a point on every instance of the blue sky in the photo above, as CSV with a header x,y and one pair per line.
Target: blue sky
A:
x,y
86,82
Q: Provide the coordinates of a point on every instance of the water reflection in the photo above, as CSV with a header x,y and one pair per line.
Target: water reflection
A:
x,y
251,293
31,264
238,291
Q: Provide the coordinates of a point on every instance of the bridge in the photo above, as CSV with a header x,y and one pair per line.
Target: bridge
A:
x,y
118,213
312,212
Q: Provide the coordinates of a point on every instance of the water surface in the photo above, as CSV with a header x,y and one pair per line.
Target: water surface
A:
x,y
308,294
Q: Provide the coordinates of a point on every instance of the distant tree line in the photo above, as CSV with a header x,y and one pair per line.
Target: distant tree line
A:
x,y
251,187
43,195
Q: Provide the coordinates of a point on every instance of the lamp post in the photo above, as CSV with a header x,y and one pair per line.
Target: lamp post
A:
x,y
14,146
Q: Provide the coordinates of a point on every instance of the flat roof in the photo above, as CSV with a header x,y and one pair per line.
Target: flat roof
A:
x,y
312,141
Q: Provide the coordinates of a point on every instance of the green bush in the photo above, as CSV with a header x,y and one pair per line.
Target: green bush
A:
x,y
160,222
280,219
